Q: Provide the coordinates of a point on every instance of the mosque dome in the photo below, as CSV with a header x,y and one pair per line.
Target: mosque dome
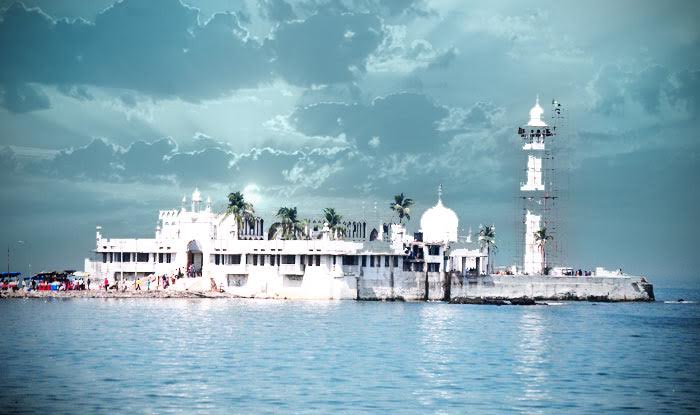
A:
x,y
439,223
196,196
536,115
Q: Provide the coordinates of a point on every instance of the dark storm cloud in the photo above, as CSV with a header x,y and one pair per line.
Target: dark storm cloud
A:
x,y
19,98
276,10
385,8
614,88
325,48
162,161
404,122
163,50
159,49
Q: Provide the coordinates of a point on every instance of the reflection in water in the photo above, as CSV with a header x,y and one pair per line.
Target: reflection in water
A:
x,y
531,357
437,361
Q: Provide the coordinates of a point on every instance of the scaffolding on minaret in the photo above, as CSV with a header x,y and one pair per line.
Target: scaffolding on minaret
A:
x,y
539,198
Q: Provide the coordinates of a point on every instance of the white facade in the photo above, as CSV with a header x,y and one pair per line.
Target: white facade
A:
x,y
206,244
534,174
532,262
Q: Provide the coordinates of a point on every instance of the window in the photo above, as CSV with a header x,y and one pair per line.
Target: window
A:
x,y
142,257
406,265
232,259
433,249
396,261
289,259
168,258
364,260
371,261
116,257
318,260
262,259
272,259
255,260
217,259
349,260
433,267
126,257
160,258
104,257
386,261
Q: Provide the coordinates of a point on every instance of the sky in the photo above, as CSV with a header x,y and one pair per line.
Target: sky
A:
x,y
112,111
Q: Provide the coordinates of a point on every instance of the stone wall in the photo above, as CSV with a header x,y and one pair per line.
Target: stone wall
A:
x,y
436,286
542,287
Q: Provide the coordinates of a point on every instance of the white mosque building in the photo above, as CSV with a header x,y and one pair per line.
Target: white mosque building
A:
x,y
385,261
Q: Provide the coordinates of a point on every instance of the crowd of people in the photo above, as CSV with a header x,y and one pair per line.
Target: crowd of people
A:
x,y
157,282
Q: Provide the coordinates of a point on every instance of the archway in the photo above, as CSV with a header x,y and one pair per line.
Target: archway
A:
x,y
373,235
194,259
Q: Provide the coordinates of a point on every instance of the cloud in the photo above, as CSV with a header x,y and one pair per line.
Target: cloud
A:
x,y
23,98
276,10
164,51
397,54
403,122
325,48
158,49
652,89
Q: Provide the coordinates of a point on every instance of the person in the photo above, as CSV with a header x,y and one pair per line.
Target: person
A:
x,y
106,283
138,284
88,283
148,284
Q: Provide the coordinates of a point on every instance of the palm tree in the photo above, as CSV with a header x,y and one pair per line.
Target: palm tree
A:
x,y
541,238
402,206
333,219
240,209
289,225
487,240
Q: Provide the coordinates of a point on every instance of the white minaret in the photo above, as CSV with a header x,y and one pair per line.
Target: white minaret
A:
x,y
533,191
196,200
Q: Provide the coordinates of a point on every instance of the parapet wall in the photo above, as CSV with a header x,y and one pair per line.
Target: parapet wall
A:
x,y
436,286
623,288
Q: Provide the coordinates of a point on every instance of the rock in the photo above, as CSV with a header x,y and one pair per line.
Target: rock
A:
x,y
522,301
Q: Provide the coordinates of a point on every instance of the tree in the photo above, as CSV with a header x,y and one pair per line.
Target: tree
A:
x,y
289,225
240,209
333,219
487,240
541,238
402,207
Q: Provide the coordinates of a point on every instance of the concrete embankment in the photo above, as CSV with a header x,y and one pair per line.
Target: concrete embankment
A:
x,y
541,287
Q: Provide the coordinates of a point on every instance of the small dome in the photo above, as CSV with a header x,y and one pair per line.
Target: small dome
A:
x,y
196,196
439,224
536,115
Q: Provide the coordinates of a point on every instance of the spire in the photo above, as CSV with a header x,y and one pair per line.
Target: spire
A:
x,y
536,114
440,192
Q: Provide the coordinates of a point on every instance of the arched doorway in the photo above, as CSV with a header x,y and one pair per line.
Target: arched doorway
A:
x,y
194,259
373,235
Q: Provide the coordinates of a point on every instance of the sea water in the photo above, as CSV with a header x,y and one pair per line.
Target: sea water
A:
x,y
263,356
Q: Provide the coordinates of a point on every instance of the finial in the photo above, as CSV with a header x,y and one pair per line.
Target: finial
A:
x,y
537,99
440,192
